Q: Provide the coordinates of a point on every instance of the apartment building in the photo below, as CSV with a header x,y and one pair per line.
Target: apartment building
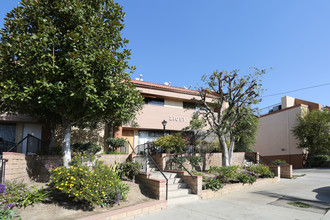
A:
x,y
167,103
275,139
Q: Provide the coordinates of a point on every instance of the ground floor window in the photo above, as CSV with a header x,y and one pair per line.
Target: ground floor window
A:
x,y
149,136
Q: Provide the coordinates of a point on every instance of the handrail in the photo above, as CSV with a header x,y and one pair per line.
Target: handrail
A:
x,y
130,145
261,158
27,136
152,159
184,167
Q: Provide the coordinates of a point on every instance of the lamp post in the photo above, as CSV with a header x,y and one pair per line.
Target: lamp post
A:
x,y
164,125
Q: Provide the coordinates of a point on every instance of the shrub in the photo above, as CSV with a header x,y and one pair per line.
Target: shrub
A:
x,y
86,148
214,184
246,177
129,169
261,171
279,162
194,161
94,186
9,214
36,196
226,174
13,193
115,143
171,143
319,161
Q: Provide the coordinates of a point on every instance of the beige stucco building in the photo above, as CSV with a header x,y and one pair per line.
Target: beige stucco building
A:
x,y
162,102
275,139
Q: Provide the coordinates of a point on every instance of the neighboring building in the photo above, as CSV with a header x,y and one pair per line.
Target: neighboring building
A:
x,y
14,128
162,102
275,139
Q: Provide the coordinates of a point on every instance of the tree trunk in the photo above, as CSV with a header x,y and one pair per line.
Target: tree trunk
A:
x,y
231,150
225,155
52,136
66,141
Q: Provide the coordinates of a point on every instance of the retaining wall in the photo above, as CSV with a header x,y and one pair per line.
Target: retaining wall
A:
x,y
165,161
229,188
33,167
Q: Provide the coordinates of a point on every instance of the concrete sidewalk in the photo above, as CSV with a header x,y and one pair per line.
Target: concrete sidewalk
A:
x,y
264,202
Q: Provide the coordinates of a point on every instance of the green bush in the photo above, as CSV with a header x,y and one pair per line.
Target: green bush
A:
x,y
129,169
95,186
115,143
194,161
36,196
86,148
171,143
279,162
9,214
260,171
319,161
246,177
214,184
226,174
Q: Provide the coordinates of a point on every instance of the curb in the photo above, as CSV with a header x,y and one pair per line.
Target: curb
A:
x,y
130,212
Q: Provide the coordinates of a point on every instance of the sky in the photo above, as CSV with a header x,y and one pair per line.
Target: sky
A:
x,y
179,41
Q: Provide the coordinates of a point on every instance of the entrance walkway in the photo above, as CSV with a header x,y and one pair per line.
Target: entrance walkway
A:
x,y
264,202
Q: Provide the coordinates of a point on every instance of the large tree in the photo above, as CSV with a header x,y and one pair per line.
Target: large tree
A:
x,y
246,131
66,61
230,96
313,131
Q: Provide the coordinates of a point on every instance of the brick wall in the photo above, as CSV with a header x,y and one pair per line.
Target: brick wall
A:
x,y
109,159
32,167
164,161
195,183
284,171
157,187
29,167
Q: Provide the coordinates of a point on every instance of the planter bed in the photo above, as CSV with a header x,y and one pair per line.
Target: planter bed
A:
x,y
228,188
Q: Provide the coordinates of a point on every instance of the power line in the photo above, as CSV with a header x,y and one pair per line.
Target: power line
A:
x,y
310,87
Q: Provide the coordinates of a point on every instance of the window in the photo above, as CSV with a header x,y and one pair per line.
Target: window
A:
x,y
189,105
153,101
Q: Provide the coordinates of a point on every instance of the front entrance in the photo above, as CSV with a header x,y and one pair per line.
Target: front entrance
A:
x,y
129,135
30,145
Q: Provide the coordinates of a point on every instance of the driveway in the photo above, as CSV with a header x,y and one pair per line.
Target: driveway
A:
x,y
312,187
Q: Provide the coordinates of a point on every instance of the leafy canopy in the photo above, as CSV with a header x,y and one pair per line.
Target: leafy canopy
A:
x,y
313,131
67,59
225,100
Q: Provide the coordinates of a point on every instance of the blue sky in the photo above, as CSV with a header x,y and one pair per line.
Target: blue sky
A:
x,y
179,41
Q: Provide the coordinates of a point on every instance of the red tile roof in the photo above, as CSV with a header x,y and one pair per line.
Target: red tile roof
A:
x,y
167,88
163,87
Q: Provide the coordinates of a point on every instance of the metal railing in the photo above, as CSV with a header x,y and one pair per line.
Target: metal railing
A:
x,y
6,145
34,145
2,168
258,158
177,160
152,159
129,144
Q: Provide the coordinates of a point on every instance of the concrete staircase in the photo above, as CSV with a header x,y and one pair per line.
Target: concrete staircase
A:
x,y
178,191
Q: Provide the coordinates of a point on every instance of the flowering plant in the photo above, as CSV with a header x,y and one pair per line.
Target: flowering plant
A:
x,y
83,184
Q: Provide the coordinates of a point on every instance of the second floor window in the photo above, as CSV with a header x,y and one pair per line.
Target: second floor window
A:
x,y
153,101
189,105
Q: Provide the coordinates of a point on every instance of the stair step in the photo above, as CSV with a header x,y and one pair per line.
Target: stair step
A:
x,y
158,174
172,186
174,201
178,193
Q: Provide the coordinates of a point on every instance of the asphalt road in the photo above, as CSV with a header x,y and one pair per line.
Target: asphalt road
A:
x,y
312,187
